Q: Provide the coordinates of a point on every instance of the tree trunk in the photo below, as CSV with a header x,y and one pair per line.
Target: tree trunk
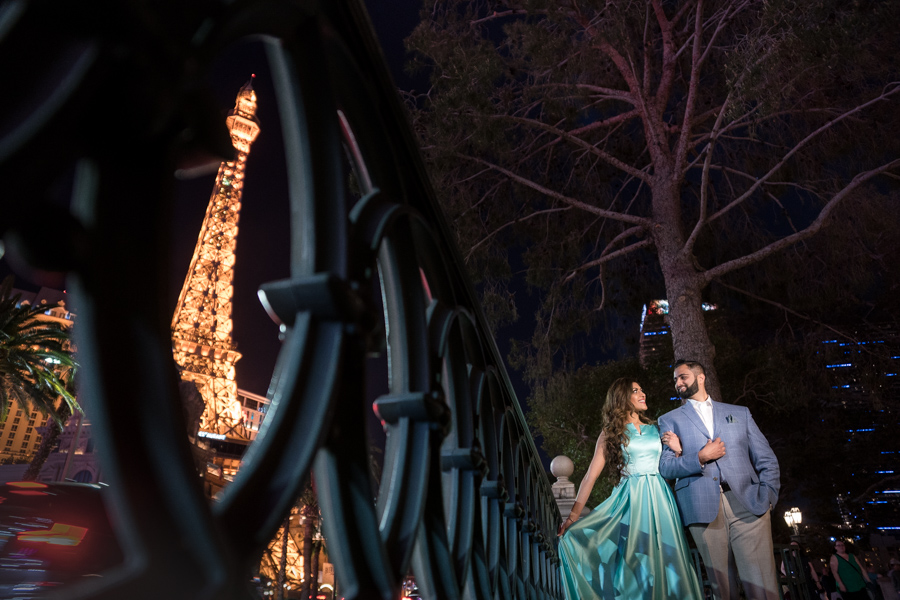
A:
x,y
47,443
690,336
684,284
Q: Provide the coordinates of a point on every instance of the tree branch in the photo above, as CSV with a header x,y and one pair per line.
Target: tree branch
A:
x,y
786,309
504,14
809,231
582,143
890,90
616,216
681,148
704,181
611,256
510,224
611,93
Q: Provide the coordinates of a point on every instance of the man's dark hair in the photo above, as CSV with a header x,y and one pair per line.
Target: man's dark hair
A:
x,y
693,365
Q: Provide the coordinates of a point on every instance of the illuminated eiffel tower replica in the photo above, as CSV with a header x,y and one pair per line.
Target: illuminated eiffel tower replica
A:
x,y
201,325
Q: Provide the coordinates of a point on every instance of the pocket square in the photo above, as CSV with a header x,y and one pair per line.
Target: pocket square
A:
x,y
730,419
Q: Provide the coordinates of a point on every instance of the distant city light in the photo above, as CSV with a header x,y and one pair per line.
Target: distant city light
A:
x,y
661,307
840,365
884,471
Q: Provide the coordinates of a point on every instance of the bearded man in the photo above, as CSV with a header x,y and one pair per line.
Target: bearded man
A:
x,y
726,483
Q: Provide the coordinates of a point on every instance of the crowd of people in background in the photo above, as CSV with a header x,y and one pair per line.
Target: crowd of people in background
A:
x,y
844,576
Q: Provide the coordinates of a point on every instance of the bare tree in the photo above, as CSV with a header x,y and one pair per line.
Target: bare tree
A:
x,y
692,138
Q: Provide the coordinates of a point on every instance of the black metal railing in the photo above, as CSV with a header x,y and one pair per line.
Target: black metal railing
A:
x,y
107,96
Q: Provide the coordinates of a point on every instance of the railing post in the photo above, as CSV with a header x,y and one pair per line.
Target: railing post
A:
x,y
562,468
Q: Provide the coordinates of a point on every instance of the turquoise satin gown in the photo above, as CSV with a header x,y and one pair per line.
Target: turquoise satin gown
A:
x,y
632,546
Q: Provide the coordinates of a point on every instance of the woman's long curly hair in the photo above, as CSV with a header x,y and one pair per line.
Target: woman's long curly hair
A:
x,y
616,413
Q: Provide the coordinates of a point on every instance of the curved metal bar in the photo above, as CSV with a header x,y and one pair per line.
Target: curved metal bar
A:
x,y
463,499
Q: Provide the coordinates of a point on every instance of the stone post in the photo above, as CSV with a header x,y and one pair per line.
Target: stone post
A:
x,y
563,490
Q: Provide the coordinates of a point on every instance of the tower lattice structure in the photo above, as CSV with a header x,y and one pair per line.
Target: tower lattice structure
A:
x,y
201,326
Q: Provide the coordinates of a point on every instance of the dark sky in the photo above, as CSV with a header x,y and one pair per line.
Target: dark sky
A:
x,y
263,238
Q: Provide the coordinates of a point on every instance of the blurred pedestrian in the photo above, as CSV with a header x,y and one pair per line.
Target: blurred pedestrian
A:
x,y
828,582
850,573
894,574
811,578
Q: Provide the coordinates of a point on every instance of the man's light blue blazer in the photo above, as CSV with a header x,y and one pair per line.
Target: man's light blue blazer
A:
x,y
749,466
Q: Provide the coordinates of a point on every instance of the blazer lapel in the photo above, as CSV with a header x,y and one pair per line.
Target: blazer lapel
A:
x,y
694,418
719,413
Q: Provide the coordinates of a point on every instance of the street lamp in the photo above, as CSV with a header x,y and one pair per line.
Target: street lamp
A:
x,y
793,518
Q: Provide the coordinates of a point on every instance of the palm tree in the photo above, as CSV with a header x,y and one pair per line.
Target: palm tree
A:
x,y
36,364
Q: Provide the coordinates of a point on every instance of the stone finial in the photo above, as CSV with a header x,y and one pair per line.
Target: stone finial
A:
x,y
562,467
563,490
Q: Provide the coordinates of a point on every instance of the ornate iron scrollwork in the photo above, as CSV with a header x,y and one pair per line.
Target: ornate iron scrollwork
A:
x,y
116,101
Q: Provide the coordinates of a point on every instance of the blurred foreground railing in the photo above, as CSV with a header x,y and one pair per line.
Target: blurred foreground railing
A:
x,y
109,95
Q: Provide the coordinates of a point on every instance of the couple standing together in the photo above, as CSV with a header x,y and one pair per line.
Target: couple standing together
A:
x,y
632,546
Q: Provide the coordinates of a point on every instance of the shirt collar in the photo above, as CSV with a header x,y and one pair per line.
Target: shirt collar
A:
x,y
701,405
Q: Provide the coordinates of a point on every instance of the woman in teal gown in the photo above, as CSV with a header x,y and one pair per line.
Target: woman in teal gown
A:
x,y
632,546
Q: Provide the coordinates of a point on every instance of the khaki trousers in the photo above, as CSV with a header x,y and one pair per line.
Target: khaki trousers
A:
x,y
738,545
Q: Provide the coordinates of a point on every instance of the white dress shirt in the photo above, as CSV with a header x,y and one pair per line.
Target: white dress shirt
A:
x,y
705,410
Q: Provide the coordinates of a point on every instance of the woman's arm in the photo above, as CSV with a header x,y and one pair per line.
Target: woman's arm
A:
x,y
815,576
834,571
587,483
862,569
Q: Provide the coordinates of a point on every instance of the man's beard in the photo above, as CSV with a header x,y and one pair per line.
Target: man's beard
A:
x,y
689,391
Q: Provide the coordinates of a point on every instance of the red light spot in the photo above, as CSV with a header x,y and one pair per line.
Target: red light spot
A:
x,y
28,493
27,484
59,535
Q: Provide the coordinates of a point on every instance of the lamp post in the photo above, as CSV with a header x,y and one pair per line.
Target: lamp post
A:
x,y
793,518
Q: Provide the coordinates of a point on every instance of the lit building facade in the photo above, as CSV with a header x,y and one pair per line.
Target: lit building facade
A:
x,y
20,432
864,375
656,338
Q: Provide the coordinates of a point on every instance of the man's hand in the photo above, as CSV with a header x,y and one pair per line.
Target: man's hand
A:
x,y
713,450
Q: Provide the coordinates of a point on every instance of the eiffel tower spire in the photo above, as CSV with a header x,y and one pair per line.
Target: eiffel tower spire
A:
x,y
201,325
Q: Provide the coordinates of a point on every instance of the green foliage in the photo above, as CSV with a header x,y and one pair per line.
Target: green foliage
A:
x,y
834,49
36,364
